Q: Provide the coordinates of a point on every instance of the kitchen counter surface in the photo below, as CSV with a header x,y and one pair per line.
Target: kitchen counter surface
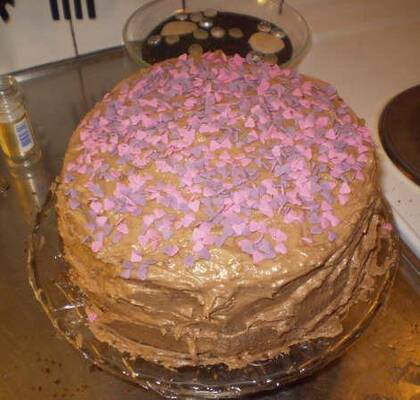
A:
x,y
35,363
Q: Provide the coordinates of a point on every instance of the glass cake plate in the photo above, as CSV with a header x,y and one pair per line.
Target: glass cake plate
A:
x,y
64,305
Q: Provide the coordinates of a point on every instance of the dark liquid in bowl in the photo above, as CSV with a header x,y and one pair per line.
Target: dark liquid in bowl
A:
x,y
230,46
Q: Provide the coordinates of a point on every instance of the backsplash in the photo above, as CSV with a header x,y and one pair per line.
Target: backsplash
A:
x,y
32,37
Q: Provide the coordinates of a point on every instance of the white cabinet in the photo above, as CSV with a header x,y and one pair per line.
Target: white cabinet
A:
x,y
32,37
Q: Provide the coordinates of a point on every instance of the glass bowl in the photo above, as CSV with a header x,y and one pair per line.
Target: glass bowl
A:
x,y
64,305
143,21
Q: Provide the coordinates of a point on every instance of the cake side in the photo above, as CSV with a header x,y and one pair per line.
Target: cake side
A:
x,y
215,210
172,327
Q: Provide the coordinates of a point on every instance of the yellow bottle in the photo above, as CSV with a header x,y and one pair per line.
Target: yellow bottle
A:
x,y
17,139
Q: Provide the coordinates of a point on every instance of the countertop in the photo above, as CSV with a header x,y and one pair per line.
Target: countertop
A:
x,y
35,363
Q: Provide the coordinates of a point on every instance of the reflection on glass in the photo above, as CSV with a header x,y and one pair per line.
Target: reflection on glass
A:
x,y
31,186
4,185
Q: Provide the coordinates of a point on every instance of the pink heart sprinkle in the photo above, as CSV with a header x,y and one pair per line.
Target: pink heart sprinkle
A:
x,y
257,257
331,134
100,221
360,176
387,227
255,226
325,206
207,192
158,213
171,250
307,240
343,199
249,123
198,246
108,204
135,257
344,188
362,158
239,228
226,143
280,248
91,316
245,161
321,122
265,208
334,221
194,205
187,220
297,92
122,228
149,219
96,246
276,151
278,235
96,207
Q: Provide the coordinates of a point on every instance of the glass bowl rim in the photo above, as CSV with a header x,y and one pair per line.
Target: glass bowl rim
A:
x,y
296,55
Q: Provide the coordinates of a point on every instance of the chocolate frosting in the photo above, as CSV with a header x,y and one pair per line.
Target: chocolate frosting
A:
x,y
214,210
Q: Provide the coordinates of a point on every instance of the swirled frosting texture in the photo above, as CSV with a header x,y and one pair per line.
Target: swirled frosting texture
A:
x,y
218,210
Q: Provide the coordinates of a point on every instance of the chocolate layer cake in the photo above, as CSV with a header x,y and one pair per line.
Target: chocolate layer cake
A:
x,y
216,210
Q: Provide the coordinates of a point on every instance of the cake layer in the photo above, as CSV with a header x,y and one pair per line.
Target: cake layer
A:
x,y
217,210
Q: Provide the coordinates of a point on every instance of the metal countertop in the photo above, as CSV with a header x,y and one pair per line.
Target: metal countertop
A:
x,y
35,363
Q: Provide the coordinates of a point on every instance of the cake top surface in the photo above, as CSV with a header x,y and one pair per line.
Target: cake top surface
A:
x,y
216,160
